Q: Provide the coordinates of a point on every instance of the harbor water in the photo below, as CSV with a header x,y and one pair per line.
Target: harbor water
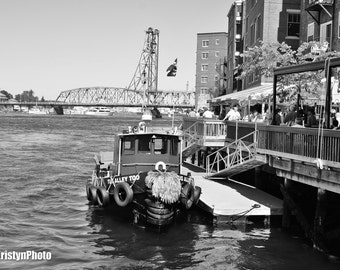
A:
x,y
45,161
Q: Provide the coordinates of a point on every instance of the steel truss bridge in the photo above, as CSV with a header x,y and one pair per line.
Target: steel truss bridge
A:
x,y
123,97
142,90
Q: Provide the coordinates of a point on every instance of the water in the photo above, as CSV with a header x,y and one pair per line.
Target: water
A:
x,y
45,162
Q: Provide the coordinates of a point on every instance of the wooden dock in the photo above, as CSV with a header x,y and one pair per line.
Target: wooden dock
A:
x,y
228,200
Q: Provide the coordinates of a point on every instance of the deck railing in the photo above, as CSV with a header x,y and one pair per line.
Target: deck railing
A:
x,y
209,131
306,142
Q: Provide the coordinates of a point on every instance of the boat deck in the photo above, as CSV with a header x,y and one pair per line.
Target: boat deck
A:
x,y
228,199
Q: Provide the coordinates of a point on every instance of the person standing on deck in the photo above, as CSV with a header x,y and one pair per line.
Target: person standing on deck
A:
x,y
233,114
208,114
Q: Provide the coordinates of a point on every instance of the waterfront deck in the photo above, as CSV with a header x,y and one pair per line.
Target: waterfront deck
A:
x,y
229,200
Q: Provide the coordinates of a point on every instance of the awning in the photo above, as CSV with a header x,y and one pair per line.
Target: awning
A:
x,y
254,94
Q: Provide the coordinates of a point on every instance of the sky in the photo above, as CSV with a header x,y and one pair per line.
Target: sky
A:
x,y
51,46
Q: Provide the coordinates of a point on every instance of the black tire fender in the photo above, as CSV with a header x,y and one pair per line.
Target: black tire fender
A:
x,y
187,195
197,194
153,208
103,197
88,195
93,195
158,216
122,194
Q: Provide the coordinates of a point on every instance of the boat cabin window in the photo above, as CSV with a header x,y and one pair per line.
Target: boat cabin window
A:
x,y
174,146
129,145
160,145
157,144
144,144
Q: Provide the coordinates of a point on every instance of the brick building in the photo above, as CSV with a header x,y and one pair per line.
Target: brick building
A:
x,y
235,45
320,22
266,20
210,62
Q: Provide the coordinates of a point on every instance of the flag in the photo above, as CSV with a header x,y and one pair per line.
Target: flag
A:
x,y
172,69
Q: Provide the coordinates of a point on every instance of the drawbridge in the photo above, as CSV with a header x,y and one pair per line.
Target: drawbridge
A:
x,y
142,90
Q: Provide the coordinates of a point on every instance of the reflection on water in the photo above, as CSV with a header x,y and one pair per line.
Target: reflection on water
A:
x,y
45,162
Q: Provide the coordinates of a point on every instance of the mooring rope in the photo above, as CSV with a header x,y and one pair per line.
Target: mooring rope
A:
x,y
243,213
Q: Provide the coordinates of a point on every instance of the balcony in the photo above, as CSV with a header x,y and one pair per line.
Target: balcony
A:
x,y
318,5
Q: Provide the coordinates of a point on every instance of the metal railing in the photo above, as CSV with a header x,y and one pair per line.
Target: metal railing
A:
x,y
237,152
305,142
205,130
190,136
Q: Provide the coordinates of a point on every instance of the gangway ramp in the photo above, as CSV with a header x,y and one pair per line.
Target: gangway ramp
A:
x,y
230,199
235,157
256,161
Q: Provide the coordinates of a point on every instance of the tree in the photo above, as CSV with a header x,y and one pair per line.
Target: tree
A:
x,y
26,96
263,59
8,95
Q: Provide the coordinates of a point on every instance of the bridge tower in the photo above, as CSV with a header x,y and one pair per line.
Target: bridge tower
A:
x,y
145,78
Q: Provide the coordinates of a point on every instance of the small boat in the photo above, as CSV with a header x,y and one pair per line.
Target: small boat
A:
x,y
101,111
36,110
141,178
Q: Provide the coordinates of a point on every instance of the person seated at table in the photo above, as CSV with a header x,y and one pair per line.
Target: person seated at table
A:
x,y
256,117
335,125
311,119
291,116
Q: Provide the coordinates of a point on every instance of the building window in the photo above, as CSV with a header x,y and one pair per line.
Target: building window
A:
x,y
217,42
326,32
204,67
252,34
251,78
204,90
205,43
258,27
204,79
205,55
217,54
293,28
310,32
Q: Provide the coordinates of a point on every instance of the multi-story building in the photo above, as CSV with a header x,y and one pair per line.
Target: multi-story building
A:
x,y
320,22
262,20
235,45
210,58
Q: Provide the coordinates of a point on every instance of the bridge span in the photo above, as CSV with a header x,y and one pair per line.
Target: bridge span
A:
x,y
123,97
114,97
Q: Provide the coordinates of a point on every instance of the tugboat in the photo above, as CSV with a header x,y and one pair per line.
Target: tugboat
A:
x,y
141,178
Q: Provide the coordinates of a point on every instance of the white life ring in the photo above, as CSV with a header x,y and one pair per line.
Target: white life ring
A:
x,y
160,163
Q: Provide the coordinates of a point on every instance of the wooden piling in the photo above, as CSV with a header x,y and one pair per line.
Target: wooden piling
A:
x,y
319,220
